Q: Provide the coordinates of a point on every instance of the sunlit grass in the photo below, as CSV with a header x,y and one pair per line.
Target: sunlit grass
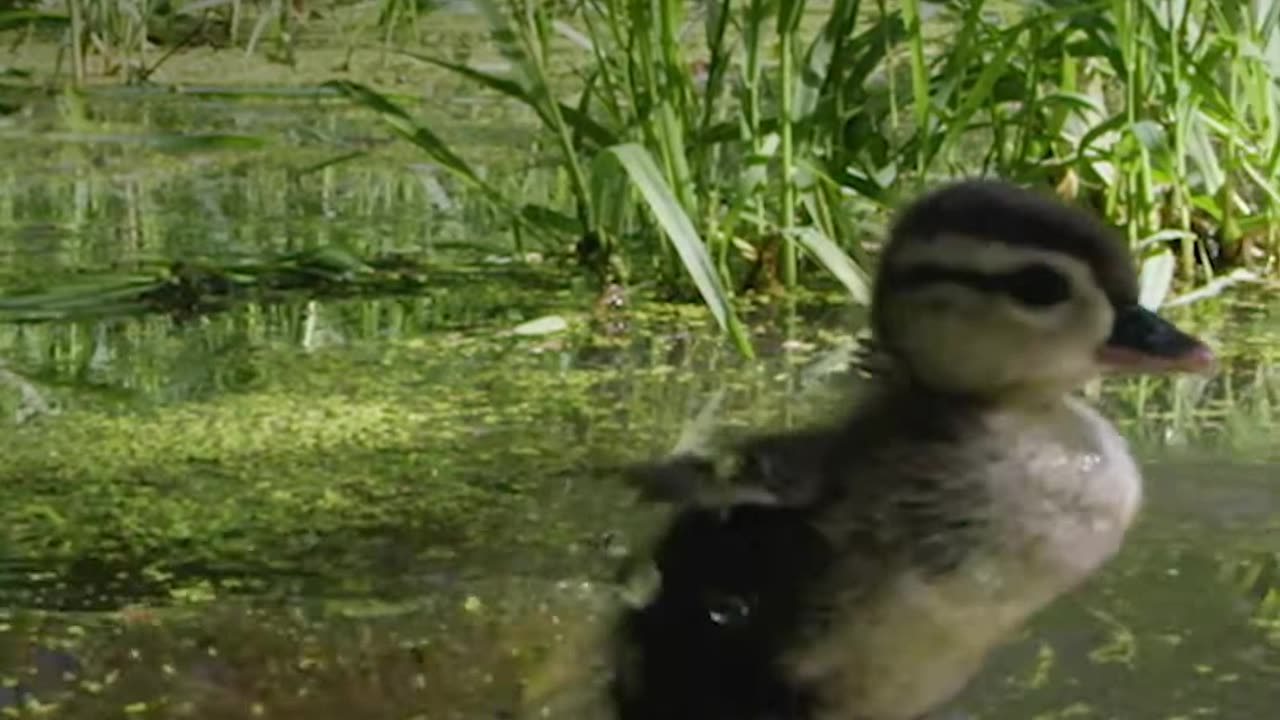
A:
x,y
780,134
771,135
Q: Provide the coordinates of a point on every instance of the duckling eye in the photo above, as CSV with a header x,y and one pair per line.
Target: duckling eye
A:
x,y
1037,285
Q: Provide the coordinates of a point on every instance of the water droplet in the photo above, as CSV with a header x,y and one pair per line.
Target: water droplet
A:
x,y
728,610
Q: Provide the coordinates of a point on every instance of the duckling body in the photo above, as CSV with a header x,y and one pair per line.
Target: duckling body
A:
x,y
968,537
910,540
863,570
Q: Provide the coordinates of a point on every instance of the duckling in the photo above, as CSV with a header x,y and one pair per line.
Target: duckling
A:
x,y
863,569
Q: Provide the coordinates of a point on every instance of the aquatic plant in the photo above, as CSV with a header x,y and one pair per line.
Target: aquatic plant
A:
x,y
730,147
1162,115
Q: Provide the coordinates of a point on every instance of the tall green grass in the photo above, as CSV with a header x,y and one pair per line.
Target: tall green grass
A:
x,y
736,143
725,147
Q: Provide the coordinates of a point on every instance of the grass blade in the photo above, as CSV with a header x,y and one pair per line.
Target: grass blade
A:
x,y
404,125
10,19
666,210
1155,278
580,121
837,262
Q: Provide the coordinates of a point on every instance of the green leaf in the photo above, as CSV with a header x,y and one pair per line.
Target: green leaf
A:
x,y
789,14
610,196
980,92
1072,100
1201,151
580,121
837,262
174,143
82,292
1102,131
684,237
818,60
1164,236
10,19
1267,187
554,220
1150,134
404,125
1155,278
542,326
508,42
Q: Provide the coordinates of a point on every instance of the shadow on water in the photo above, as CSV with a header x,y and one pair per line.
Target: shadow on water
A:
x,y
401,506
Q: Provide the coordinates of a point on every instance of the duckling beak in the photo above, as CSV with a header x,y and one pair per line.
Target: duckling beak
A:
x,y
1142,341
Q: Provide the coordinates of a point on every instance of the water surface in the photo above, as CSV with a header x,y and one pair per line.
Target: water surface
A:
x,y
400,507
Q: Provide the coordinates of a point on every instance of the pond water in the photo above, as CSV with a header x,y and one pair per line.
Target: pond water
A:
x,y
398,507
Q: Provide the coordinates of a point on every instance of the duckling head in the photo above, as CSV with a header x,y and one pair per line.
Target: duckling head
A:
x,y
991,291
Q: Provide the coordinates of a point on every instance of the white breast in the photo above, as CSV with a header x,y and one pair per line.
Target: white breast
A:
x,y
1063,501
1062,491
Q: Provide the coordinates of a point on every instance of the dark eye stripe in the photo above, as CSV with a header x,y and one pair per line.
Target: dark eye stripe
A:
x,y
1035,284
